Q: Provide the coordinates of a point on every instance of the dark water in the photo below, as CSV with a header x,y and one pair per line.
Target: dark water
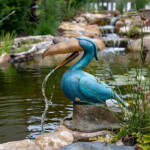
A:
x,y
22,103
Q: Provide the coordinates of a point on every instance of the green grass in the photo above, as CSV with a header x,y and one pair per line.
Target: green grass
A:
x,y
6,41
134,32
137,124
23,48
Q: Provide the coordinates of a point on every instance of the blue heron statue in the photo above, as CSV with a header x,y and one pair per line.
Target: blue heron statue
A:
x,y
78,85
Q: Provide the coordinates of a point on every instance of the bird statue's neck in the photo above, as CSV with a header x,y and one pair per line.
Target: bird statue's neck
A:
x,y
85,60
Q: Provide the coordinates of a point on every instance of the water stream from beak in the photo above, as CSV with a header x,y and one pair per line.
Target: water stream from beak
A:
x,y
48,102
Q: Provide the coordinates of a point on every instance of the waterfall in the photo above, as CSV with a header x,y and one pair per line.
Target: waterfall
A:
x,y
113,21
110,38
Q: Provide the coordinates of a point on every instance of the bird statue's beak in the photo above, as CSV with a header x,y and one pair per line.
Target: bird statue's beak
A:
x,y
68,46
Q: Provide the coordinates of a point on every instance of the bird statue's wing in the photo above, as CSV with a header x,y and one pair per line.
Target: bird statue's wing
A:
x,y
94,90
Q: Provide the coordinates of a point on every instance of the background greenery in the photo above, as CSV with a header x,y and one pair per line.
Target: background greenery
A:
x,y
50,13
19,19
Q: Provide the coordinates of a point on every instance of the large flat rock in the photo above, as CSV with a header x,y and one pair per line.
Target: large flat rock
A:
x,y
54,140
19,145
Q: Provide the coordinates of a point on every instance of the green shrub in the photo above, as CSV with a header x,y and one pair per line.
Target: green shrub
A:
x,y
120,4
140,4
51,13
134,32
6,42
19,19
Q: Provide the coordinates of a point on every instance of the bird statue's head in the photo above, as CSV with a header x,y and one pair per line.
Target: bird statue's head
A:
x,y
73,46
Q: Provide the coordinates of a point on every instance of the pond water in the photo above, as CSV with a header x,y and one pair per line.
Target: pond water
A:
x,y
22,103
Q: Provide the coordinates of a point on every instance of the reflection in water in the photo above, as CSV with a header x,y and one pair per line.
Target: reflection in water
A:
x,y
4,66
47,102
22,102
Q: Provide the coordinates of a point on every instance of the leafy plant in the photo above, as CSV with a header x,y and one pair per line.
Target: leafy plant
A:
x,y
50,15
134,31
70,10
120,5
6,41
144,141
19,19
137,123
141,5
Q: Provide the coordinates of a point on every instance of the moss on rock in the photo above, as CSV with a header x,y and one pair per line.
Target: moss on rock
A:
x,y
134,31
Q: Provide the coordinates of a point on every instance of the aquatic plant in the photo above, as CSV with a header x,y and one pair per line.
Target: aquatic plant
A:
x,y
136,84
137,124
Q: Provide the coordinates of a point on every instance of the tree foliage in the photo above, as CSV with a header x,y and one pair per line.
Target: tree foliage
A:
x,y
19,19
140,4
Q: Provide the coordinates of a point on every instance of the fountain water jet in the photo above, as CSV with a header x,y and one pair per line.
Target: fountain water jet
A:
x,y
47,102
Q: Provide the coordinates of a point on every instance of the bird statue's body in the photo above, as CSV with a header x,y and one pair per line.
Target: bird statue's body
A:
x,y
82,87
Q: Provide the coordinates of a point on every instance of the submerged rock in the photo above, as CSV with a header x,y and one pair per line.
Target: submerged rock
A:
x,y
4,58
19,145
95,146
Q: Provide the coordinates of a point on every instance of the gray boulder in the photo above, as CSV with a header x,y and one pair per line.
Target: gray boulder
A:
x,y
95,146
92,118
